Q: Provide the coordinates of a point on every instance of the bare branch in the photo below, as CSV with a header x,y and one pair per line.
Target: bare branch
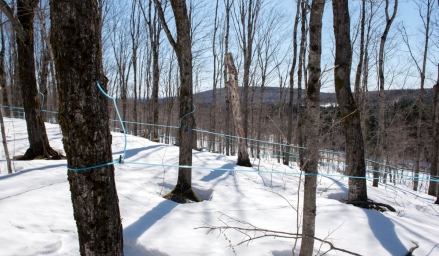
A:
x,y
164,24
247,228
14,20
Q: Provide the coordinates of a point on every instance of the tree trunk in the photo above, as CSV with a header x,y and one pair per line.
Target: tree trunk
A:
x,y
38,141
226,49
300,140
5,101
213,110
232,83
83,113
289,131
182,47
356,167
422,71
379,152
3,88
434,179
312,126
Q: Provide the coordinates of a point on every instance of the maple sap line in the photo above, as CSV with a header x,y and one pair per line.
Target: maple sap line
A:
x,y
122,157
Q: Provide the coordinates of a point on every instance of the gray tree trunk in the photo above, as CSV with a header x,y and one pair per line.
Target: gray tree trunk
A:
x,y
300,78
232,83
312,127
356,167
83,113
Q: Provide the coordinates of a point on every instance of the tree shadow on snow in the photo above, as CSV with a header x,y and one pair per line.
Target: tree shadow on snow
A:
x,y
24,171
338,194
384,231
216,173
132,152
140,226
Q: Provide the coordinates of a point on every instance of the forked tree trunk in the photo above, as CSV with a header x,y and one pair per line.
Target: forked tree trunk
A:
x,y
312,127
356,167
83,113
232,83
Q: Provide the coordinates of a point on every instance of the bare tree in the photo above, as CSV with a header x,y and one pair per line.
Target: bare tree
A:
x,y
312,126
23,24
155,28
4,92
135,37
232,83
215,78
228,6
356,167
3,88
381,97
182,47
86,133
434,177
421,68
289,132
248,17
301,76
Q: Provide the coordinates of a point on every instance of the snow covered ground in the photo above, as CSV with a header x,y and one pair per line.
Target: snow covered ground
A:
x,y
36,216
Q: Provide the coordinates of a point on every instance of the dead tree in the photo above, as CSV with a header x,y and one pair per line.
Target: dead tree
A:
x,y
232,83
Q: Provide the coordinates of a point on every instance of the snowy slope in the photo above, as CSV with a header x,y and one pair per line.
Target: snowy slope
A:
x,y
36,216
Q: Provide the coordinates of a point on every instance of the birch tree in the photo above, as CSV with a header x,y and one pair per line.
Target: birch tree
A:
x,y
312,127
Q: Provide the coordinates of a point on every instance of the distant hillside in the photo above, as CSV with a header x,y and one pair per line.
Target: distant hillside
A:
x,y
272,95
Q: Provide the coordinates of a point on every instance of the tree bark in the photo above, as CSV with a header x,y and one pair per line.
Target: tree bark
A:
x,y
312,126
356,167
232,83
83,116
